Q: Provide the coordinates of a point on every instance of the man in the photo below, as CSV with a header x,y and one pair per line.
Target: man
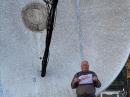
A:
x,y
85,81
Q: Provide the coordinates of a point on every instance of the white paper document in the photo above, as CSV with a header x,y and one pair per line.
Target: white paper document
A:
x,y
86,79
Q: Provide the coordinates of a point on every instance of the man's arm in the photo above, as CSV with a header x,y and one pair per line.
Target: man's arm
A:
x,y
75,81
96,81
97,84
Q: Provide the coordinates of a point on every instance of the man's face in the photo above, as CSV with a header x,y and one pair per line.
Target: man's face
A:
x,y
84,66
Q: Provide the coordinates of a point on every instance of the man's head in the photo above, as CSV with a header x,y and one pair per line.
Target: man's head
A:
x,y
84,65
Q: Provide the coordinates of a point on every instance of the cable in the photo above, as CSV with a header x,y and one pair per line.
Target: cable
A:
x,y
52,5
80,33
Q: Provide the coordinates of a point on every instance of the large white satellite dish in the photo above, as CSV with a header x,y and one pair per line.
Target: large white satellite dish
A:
x,y
95,30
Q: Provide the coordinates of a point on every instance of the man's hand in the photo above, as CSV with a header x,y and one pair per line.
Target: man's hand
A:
x,y
76,80
95,78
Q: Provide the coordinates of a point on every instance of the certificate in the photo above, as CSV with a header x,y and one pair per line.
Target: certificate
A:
x,y
86,79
